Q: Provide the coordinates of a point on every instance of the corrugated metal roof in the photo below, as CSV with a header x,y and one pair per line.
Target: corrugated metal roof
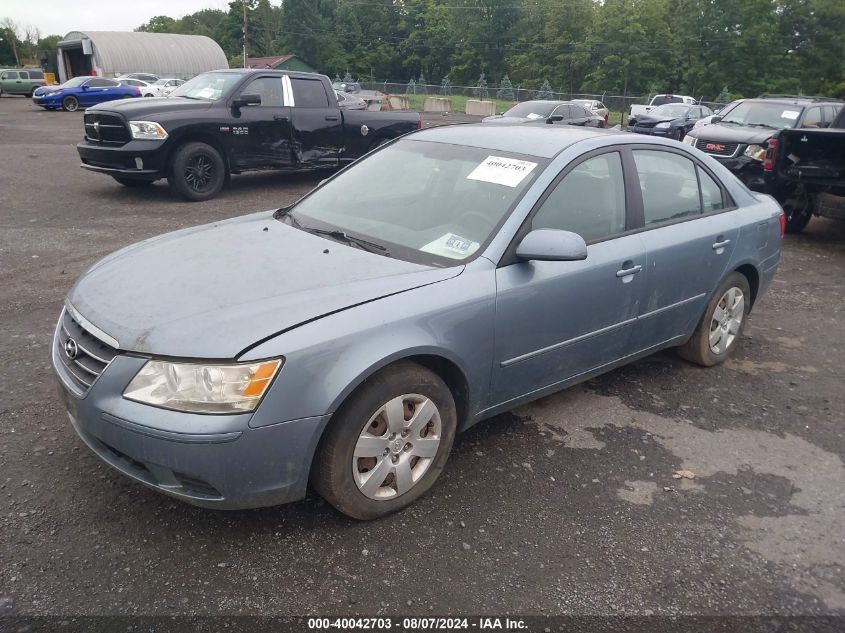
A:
x,y
163,54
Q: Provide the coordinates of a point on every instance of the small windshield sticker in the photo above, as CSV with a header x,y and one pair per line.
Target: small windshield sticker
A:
x,y
502,171
789,114
451,245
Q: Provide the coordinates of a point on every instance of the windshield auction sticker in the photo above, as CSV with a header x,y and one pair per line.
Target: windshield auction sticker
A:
x,y
790,114
502,171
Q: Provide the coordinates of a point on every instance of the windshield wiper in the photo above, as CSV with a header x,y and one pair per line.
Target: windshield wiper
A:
x,y
771,127
285,212
351,240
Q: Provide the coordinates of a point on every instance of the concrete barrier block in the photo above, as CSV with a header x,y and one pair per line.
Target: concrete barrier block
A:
x,y
400,103
481,108
437,104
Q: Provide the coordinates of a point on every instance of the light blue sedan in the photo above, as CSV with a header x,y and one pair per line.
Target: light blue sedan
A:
x,y
449,276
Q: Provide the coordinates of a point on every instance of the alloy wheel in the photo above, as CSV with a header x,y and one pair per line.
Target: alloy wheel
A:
x,y
726,320
397,446
199,172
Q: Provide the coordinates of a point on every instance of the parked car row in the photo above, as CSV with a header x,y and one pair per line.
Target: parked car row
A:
x,y
550,112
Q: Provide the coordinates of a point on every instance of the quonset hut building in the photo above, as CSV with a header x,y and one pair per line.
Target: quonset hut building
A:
x,y
115,53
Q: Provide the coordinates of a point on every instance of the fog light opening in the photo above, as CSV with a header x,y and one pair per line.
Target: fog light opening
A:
x,y
139,163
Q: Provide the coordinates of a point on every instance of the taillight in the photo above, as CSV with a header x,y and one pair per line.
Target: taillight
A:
x,y
771,155
782,219
419,123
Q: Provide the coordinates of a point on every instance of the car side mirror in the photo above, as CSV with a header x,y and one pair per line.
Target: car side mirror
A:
x,y
554,118
716,119
85,87
552,245
246,100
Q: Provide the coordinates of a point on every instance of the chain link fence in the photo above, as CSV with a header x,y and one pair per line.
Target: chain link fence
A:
x,y
615,103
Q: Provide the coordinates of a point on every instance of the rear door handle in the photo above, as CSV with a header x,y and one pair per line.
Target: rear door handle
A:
x,y
281,117
721,244
332,118
629,271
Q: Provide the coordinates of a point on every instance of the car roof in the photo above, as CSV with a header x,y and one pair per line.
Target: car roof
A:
x,y
793,99
544,141
266,71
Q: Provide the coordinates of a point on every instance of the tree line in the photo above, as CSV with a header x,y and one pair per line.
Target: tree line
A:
x,y
698,47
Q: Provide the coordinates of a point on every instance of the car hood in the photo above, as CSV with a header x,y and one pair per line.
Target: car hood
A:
x,y
729,133
215,290
510,119
136,108
646,118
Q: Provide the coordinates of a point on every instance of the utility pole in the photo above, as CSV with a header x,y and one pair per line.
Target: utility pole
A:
x,y
246,47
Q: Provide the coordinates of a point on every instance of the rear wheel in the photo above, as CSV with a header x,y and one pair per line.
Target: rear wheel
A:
x,y
32,92
798,210
387,444
197,171
721,326
132,182
70,103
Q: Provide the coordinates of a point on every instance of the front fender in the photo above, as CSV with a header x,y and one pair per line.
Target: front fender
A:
x,y
327,359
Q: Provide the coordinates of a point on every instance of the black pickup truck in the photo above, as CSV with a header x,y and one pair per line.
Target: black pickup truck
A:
x,y
229,121
806,167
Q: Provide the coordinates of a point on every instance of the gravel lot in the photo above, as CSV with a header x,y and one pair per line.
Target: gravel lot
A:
x,y
567,505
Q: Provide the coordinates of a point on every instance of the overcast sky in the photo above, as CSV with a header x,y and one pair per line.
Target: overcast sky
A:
x,y
58,17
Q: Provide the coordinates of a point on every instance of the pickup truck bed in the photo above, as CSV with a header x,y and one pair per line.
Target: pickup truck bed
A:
x,y
810,164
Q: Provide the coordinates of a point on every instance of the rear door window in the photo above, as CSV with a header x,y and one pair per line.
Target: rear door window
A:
x,y
309,93
668,184
589,201
711,193
813,117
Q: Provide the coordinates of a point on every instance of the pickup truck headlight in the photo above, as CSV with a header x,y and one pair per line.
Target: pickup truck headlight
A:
x,y
663,125
147,130
757,152
200,388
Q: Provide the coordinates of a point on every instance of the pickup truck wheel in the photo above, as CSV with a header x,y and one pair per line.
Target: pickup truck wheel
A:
x,y
197,172
387,444
721,326
70,103
132,182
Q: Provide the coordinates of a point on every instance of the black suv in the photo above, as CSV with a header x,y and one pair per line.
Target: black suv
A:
x,y
739,137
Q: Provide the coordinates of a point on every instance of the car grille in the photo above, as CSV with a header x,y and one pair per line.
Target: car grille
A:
x,y
645,124
83,356
106,129
717,149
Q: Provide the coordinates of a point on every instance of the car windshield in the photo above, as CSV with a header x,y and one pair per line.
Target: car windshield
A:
x,y
210,86
532,110
775,115
161,82
670,110
75,82
432,203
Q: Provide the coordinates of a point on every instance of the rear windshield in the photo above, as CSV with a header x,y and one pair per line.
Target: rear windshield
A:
x,y
532,109
670,110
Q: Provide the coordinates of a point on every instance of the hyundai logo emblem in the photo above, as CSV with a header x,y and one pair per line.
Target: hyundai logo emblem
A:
x,y
71,348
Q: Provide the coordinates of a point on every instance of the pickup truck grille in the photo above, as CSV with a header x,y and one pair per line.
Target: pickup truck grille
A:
x,y
716,148
85,357
106,129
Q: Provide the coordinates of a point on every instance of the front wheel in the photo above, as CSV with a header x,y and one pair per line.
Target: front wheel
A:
x,y
679,134
721,326
70,103
197,172
387,444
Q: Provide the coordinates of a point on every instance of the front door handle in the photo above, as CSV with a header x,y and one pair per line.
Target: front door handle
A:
x,y
722,244
281,117
332,118
625,272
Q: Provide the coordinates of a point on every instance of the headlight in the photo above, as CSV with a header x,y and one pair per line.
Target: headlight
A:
x,y
756,152
663,124
147,130
54,94
689,140
198,388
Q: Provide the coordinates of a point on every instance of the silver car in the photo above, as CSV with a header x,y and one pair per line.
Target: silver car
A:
x,y
451,275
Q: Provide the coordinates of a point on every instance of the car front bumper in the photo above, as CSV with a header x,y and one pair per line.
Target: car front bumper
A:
x,y
140,159
748,170
205,460
652,131
48,102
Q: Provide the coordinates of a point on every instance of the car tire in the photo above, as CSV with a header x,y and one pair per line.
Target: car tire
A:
x,y
70,103
721,326
133,182
197,171
404,457
148,94
678,135
798,211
